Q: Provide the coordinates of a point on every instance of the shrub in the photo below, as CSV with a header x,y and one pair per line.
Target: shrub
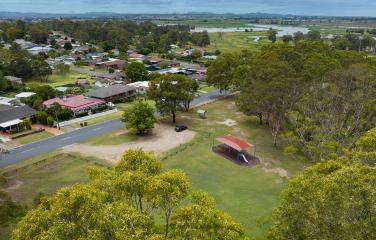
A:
x,y
41,117
50,121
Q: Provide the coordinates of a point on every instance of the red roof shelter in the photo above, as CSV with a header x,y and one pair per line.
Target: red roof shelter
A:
x,y
235,149
235,143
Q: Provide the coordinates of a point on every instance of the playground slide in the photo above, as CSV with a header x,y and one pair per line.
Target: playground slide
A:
x,y
244,158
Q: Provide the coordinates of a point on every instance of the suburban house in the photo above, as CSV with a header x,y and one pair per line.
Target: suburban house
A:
x,y
141,87
11,116
112,63
8,101
113,92
136,57
14,80
155,60
24,95
103,83
77,103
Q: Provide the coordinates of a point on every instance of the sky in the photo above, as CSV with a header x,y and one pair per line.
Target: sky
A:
x,y
297,7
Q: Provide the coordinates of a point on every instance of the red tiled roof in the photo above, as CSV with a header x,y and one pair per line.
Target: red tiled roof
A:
x,y
115,62
235,143
74,102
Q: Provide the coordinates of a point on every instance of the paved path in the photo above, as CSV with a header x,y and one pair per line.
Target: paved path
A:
x,y
55,142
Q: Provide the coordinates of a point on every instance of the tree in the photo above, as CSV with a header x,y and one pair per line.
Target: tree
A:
x,y
187,222
166,192
313,35
330,200
298,36
139,117
68,46
62,69
272,88
124,202
170,92
272,35
220,71
3,83
287,38
41,69
136,71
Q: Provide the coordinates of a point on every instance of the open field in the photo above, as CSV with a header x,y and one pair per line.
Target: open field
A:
x,y
248,194
225,23
46,173
57,80
235,41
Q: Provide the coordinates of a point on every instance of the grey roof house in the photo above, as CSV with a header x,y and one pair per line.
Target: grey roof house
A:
x,y
11,116
14,79
113,92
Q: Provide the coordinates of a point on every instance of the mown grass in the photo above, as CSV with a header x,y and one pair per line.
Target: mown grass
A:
x,y
33,137
111,138
235,41
47,173
57,80
247,193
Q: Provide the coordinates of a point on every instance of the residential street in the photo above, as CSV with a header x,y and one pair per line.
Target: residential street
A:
x,y
53,143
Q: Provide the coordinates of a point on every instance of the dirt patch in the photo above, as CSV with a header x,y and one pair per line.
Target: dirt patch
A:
x,y
280,171
228,122
14,185
162,139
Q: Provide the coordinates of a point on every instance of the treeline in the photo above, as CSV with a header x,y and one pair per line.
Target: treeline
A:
x,y
20,63
361,30
319,98
146,36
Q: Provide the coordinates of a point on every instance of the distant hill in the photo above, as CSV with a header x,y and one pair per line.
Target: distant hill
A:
x,y
93,15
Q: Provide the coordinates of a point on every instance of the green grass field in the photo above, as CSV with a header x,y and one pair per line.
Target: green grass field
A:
x,y
248,194
47,173
111,138
216,23
235,41
57,80
34,137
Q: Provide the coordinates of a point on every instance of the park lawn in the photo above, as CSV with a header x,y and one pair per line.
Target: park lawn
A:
x,y
57,80
235,41
33,137
247,193
115,137
98,119
47,173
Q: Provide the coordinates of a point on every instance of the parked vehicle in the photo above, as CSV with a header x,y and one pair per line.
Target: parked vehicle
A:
x,y
180,128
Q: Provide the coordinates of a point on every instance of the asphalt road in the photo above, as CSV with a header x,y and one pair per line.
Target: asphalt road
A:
x,y
50,144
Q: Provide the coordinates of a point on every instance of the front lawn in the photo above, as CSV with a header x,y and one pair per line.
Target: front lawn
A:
x,y
33,137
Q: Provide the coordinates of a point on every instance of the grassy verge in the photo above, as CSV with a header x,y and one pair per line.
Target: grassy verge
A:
x,y
34,137
111,138
248,193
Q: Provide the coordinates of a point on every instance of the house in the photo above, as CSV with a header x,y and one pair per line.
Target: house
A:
x,y
141,87
155,60
12,116
103,83
77,103
112,63
39,49
136,57
8,101
24,95
113,93
25,44
14,80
